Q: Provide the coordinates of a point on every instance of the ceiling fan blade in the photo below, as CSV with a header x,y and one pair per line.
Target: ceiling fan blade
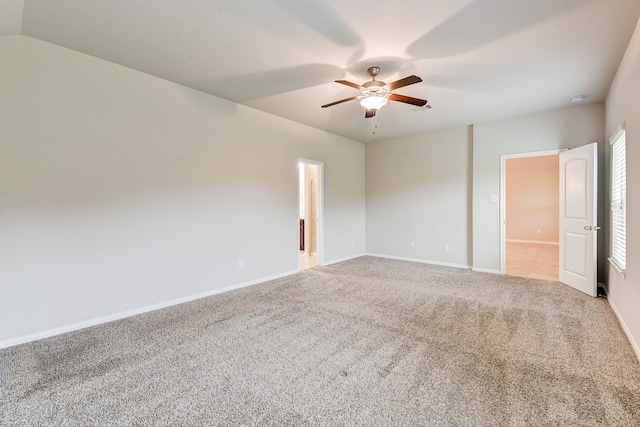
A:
x,y
407,99
353,85
369,113
404,82
341,101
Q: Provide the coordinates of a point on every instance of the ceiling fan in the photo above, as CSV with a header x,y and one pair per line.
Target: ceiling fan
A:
x,y
375,93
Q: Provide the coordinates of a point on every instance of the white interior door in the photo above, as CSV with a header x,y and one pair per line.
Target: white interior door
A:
x,y
578,218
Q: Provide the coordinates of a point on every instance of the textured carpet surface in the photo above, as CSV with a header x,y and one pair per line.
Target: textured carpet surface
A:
x,y
365,342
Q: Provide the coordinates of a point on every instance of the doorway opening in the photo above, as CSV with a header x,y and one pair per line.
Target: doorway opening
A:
x,y
530,215
310,214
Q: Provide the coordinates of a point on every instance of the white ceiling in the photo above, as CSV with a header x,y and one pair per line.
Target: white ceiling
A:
x,y
480,60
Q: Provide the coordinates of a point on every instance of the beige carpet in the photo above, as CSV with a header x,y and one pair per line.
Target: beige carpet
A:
x,y
365,342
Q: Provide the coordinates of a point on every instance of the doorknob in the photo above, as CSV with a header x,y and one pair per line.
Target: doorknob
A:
x,y
592,227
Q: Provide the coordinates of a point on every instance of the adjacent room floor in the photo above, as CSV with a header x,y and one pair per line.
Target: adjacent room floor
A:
x,y
532,260
307,261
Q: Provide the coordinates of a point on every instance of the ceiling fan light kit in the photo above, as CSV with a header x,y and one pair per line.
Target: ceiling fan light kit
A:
x,y
373,102
375,94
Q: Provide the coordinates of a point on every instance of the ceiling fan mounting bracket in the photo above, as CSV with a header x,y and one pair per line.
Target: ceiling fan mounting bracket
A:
x,y
373,72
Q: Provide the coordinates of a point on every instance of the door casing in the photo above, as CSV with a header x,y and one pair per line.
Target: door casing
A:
x,y
589,288
319,212
503,201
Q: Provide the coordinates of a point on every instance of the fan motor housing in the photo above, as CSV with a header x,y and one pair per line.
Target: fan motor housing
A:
x,y
373,84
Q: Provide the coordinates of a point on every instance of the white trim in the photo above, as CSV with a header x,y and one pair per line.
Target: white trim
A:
x,y
623,273
336,261
487,270
625,328
422,261
503,193
320,196
618,132
537,242
133,312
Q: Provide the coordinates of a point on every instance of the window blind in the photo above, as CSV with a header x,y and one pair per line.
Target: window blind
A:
x,y
619,201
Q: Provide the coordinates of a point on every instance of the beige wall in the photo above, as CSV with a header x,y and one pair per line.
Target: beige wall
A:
x,y
419,190
622,106
119,190
532,199
568,127
434,188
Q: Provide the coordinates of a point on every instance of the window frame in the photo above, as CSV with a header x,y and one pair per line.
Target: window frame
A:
x,y
618,202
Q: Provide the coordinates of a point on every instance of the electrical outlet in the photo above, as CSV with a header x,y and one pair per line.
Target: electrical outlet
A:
x,y
413,244
446,248
353,243
240,263
538,231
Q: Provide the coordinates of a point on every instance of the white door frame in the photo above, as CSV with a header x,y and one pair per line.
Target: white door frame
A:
x,y
320,204
503,194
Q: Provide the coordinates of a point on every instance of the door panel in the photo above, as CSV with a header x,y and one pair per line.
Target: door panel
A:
x,y
575,254
578,218
576,190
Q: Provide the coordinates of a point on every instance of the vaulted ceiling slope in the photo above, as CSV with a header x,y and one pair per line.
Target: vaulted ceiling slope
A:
x,y
479,59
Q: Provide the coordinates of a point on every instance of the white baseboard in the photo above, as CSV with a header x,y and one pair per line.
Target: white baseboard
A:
x,y
123,314
335,261
634,343
537,242
423,261
486,270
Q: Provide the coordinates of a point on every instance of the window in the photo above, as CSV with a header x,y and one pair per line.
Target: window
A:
x,y
619,201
